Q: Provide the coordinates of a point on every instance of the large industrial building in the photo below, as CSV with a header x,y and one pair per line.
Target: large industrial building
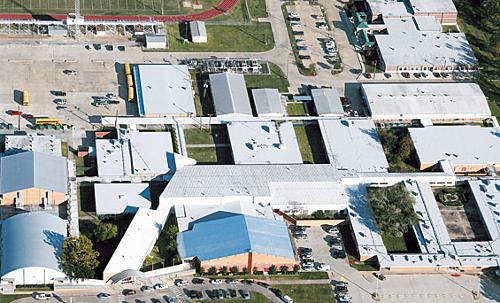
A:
x,y
439,102
164,90
33,179
469,149
31,244
266,142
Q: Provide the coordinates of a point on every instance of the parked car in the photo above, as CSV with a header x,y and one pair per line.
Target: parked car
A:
x,y
159,286
180,282
305,255
128,292
245,294
103,296
70,72
308,267
321,25
198,281
146,288
60,101
263,284
305,250
195,294
247,281
41,296
220,294
339,254
169,299
216,281
58,93
287,299
301,47
322,266
232,293
293,15
379,276
121,48
341,289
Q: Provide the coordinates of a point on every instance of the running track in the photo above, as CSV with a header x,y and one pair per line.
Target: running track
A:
x,y
221,8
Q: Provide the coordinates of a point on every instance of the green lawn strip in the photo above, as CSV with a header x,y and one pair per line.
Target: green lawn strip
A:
x,y
86,199
196,135
276,79
255,297
296,109
394,244
361,266
10,298
303,293
305,147
254,37
203,154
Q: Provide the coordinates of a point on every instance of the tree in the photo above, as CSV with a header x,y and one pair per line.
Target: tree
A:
x,y
78,257
296,268
234,270
223,270
212,271
104,231
244,270
319,214
284,269
272,270
393,209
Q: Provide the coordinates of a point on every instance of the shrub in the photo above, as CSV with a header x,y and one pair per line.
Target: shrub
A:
x,y
234,270
212,271
272,270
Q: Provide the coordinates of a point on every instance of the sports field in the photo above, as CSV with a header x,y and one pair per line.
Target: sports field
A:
x,y
100,7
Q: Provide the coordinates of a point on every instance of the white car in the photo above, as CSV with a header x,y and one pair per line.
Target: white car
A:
x,y
104,296
180,282
147,288
159,286
216,281
294,15
287,299
42,296
323,266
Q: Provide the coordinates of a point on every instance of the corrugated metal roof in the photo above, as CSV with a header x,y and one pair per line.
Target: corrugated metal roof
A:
x,y
32,240
33,170
327,101
229,94
198,29
223,234
267,101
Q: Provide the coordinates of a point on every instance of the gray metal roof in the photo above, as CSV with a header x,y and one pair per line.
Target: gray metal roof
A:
x,y
229,93
33,170
198,29
156,39
267,101
32,240
327,101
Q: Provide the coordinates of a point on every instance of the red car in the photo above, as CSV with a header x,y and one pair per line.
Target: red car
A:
x,y
28,116
15,113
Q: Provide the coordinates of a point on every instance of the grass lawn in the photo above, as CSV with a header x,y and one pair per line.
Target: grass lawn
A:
x,y
296,109
394,244
319,275
310,144
276,79
10,298
257,8
255,297
196,135
318,293
361,266
64,149
80,166
254,37
202,97
211,155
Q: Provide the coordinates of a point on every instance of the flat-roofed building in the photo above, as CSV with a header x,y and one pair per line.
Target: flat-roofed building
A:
x,y
353,144
32,179
406,49
443,10
31,247
164,90
439,102
327,102
121,198
268,102
198,32
383,9
264,142
156,41
33,142
469,149
229,94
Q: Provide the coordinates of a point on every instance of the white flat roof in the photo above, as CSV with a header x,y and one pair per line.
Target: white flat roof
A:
x,y
426,100
267,142
353,144
32,142
165,90
406,46
188,212
118,198
134,152
461,145
388,8
432,6
137,242
427,23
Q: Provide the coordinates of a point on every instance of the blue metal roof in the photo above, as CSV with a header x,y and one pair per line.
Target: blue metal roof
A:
x,y
223,234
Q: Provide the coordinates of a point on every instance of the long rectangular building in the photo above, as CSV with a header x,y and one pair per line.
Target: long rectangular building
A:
x,y
440,102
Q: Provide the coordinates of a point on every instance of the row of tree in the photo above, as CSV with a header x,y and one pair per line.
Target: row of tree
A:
x,y
235,270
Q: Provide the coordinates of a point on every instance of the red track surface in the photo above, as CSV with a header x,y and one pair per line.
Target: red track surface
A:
x,y
221,8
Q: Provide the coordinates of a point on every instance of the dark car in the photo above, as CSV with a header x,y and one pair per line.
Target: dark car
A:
x,y
339,254
58,93
276,291
304,57
97,46
305,250
405,75
263,284
232,293
379,276
109,47
128,292
198,281
247,281
121,48
195,294
341,289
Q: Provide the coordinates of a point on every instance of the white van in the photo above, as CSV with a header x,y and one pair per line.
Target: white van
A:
x,y
287,299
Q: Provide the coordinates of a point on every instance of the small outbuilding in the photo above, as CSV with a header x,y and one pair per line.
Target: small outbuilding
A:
x,y
267,102
198,32
327,102
156,41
